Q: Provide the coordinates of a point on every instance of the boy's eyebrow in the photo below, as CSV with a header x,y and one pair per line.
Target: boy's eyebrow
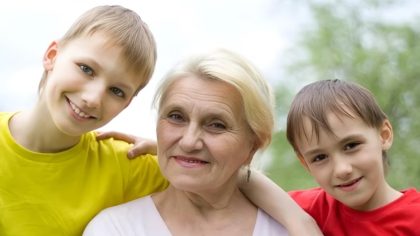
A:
x,y
312,152
349,138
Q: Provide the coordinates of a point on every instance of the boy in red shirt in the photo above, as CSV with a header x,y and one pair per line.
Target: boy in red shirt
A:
x,y
341,136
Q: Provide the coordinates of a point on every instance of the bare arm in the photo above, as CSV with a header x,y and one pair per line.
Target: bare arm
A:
x,y
268,196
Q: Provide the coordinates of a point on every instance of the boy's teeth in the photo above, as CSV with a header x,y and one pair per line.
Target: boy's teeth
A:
x,y
78,112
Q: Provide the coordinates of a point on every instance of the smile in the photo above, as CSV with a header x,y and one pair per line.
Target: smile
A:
x,y
79,112
189,162
349,185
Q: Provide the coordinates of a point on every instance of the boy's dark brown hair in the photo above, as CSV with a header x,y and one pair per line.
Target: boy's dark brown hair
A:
x,y
316,100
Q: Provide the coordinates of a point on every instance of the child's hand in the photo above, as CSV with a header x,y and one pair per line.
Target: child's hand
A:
x,y
140,145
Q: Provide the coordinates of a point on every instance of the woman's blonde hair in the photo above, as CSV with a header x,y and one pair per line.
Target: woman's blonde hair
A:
x,y
233,69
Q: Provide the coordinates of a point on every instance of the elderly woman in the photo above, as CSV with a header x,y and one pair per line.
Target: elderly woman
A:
x,y
214,112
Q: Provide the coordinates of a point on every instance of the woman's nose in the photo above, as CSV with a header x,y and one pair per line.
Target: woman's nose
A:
x,y
191,139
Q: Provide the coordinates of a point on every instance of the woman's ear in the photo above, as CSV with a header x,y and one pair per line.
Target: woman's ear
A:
x,y
386,135
253,150
50,56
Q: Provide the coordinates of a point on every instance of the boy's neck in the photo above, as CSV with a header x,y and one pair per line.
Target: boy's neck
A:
x,y
35,133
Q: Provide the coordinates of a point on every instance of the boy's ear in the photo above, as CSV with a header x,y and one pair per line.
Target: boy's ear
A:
x,y
50,56
386,135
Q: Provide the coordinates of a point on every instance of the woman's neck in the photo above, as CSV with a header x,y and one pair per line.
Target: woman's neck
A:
x,y
38,133
187,213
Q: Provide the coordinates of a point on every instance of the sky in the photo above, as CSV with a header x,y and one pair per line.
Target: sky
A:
x,y
258,29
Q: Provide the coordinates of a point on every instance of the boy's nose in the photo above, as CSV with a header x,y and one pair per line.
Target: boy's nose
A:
x,y
191,139
342,168
93,95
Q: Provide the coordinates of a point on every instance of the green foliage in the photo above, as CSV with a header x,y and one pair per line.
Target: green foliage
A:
x,y
352,40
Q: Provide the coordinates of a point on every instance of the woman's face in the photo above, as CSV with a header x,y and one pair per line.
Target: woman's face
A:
x,y
203,138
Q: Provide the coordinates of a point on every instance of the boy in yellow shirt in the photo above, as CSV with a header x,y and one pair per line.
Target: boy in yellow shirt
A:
x,y
54,175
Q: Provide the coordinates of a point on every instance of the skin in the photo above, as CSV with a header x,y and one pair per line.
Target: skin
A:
x,y
86,87
348,163
173,202
202,137
203,140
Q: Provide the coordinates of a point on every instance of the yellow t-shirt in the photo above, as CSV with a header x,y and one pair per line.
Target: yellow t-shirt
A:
x,y
59,193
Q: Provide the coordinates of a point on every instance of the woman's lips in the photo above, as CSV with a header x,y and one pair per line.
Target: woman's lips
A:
x,y
189,162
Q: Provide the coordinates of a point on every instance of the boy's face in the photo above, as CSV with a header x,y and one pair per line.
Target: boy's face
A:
x,y
348,164
87,84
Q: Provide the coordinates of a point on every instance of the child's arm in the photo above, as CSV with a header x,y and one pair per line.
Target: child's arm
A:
x,y
268,196
260,190
140,145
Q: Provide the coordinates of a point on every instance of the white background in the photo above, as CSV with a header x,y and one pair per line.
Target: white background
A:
x,y
261,30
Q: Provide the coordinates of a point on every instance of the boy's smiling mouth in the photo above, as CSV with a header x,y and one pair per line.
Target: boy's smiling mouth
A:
x,y
348,186
78,111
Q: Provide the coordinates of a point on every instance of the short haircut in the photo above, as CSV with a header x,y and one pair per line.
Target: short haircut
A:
x,y
125,29
233,69
316,100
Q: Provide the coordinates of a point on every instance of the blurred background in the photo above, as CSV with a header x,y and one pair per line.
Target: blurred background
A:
x,y
372,42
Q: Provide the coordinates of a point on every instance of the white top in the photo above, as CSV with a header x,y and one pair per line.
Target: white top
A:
x,y
140,217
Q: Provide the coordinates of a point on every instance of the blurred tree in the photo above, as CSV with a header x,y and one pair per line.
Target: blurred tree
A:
x,y
359,41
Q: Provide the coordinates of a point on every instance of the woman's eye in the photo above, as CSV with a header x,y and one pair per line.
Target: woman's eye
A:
x,y
117,92
217,125
175,117
86,69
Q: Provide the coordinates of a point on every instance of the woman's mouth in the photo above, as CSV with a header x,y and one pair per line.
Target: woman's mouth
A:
x,y
189,162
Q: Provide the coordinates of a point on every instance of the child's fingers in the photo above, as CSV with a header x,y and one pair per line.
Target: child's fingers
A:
x,y
116,135
142,146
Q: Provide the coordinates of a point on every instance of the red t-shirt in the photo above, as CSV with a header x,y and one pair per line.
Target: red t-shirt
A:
x,y
400,217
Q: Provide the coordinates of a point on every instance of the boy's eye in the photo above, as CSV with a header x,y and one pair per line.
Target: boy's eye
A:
x,y
117,92
319,158
86,69
350,146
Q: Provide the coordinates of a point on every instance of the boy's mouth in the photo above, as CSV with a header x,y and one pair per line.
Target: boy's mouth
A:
x,y
78,111
348,184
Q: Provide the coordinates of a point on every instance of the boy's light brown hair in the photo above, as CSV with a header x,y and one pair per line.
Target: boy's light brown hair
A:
x,y
125,29
316,100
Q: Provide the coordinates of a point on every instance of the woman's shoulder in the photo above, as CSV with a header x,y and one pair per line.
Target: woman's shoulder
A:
x,y
266,225
137,217
132,209
119,217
